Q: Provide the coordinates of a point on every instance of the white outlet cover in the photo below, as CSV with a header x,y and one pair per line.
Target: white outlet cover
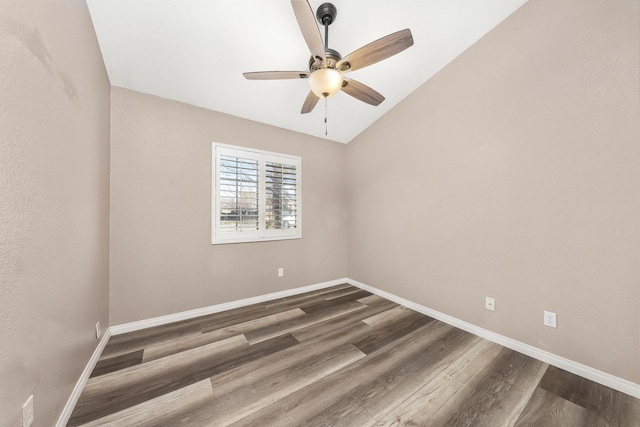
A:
x,y
280,272
98,330
490,303
550,319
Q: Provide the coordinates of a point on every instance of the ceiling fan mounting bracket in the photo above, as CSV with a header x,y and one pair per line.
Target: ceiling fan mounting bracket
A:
x,y
326,14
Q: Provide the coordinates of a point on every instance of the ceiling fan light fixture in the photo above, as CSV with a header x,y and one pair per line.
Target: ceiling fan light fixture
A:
x,y
325,82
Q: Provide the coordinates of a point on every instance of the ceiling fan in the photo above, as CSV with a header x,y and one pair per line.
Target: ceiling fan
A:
x,y
327,66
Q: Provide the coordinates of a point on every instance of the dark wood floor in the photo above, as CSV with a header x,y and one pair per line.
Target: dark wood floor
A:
x,y
334,357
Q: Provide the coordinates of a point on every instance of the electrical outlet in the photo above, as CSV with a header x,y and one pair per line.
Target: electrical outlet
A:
x,y
98,330
490,304
27,412
550,319
280,272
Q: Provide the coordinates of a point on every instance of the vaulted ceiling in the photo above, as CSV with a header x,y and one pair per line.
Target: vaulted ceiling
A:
x,y
195,51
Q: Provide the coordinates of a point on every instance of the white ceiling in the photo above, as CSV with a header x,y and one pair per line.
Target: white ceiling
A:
x,y
195,51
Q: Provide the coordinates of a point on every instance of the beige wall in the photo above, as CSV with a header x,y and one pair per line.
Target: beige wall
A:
x,y
54,203
162,260
514,173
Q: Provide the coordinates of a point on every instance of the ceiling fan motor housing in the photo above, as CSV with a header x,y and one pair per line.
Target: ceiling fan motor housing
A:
x,y
333,56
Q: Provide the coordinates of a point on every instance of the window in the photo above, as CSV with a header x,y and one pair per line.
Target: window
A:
x,y
256,195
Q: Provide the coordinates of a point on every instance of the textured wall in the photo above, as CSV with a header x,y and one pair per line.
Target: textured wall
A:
x,y
54,203
162,261
514,173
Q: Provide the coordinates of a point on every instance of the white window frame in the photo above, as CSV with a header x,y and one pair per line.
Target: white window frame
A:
x,y
262,234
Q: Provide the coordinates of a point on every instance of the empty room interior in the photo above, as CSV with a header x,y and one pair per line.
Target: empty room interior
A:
x,y
457,241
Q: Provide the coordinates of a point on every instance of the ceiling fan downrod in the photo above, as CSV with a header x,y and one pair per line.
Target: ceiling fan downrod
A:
x,y
325,15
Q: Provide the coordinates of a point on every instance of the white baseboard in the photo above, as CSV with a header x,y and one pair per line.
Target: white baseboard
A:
x,y
170,318
162,320
592,374
77,390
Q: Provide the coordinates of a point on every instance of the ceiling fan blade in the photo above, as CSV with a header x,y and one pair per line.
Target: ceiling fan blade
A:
x,y
376,51
362,92
275,75
307,23
309,103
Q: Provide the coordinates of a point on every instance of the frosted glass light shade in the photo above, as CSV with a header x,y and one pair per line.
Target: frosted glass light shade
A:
x,y
325,82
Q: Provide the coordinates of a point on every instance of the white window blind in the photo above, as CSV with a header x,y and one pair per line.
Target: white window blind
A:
x,y
238,194
256,195
281,192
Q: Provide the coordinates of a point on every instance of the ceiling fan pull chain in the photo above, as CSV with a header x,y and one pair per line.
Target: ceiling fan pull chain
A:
x,y
326,129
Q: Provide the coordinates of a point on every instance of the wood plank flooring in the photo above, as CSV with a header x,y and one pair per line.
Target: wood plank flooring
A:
x,y
338,356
